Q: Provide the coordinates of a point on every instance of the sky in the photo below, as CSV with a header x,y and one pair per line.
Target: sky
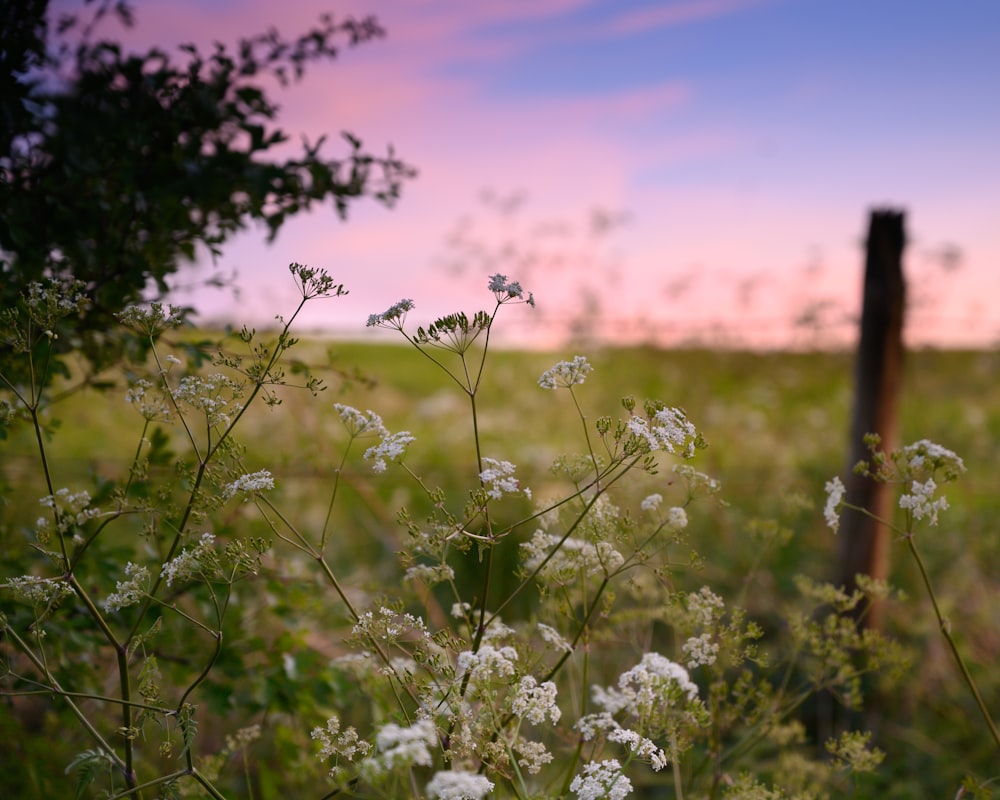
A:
x,y
651,171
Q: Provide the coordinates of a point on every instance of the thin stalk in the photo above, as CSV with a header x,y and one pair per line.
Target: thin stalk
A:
x,y
59,691
945,627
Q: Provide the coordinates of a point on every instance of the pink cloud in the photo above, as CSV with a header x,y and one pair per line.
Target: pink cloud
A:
x,y
663,15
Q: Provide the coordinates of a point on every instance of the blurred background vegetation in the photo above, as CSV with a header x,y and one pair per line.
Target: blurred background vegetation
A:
x,y
776,424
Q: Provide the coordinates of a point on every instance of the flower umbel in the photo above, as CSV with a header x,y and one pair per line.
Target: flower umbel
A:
x,y
566,374
457,785
600,779
391,448
835,490
505,290
498,478
392,317
249,485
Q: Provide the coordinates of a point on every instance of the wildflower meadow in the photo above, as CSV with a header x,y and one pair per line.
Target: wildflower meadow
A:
x,y
491,578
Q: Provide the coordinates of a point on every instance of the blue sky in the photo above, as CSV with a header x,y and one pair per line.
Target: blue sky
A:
x,y
743,141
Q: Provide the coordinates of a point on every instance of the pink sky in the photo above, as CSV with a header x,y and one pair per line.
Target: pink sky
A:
x,y
743,143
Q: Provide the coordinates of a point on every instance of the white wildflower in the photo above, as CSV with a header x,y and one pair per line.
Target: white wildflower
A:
x,y
457,785
592,725
150,406
668,430
639,745
919,502
497,631
923,458
677,519
651,502
653,683
498,478
391,448
705,605
489,662
243,738
835,491
601,779
406,747
359,423
460,610
505,290
534,702
430,574
393,317
701,651
534,755
697,482
189,563
341,743
566,374
214,395
248,485
37,591
552,637
128,592
568,561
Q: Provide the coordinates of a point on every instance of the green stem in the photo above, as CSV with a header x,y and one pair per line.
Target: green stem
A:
x,y
945,627
56,689
678,788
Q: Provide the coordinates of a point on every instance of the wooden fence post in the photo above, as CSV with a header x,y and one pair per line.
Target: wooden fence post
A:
x,y
864,544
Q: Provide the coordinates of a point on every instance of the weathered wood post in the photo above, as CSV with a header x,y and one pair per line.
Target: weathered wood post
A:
x,y
864,544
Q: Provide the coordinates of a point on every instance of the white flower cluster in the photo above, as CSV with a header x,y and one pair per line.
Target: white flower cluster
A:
x,y
639,745
835,491
552,637
189,563
153,319
457,785
651,502
566,374
534,755
151,407
697,482
391,448
249,484
341,743
668,430
243,738
534,702
71,507
489,663
403,747
128,592
575,557
498,477
37,591
392,317
701,651
676,516
706,606
505,290
919,502
59,297
653,683
601,779
357,423
927,457
389,626
429,573
208,395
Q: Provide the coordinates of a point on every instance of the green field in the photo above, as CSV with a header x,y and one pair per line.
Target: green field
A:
x,y
776,426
